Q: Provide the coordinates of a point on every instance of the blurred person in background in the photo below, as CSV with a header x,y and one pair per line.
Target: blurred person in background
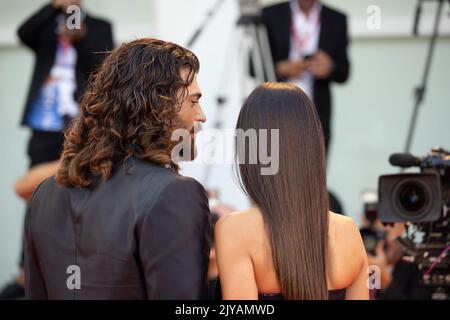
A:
x,y
308,41
399,279
64,59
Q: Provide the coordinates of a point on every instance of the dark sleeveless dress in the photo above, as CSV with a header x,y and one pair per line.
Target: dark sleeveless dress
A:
x,y
332,294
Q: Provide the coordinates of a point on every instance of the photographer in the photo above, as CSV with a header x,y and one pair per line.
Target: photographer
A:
x,y
308,41
399,280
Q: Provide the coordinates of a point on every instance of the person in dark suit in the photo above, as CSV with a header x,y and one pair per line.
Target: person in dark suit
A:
x,y
118,221
64,59
308,41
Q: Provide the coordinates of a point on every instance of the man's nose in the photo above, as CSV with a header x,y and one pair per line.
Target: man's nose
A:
x,y
200,115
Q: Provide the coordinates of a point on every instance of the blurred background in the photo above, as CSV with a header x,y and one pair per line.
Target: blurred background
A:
x,y
371,111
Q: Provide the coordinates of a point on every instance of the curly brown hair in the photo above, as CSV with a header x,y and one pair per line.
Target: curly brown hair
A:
x,y
128,111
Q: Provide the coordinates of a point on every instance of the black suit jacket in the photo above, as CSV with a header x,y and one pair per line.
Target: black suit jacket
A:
x,y
141,235
332,39
39,34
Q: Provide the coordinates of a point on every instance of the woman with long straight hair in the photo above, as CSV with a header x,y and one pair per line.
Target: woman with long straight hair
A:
x,y
288,245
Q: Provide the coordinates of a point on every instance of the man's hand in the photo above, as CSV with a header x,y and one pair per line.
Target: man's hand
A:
x,y
58,4
321,65
291,69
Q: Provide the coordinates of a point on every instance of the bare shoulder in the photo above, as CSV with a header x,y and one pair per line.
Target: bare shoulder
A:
x,y
345,232
343,226
239,225
239,220
346,243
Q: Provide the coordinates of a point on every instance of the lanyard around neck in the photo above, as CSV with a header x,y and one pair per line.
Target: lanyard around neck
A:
x,y
299,41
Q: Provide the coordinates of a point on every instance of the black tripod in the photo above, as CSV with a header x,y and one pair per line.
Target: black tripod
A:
x,y
419,91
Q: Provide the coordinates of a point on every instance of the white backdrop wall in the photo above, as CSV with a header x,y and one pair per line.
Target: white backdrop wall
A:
x,y
370,115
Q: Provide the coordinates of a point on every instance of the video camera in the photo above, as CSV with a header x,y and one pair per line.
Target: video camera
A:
x,y
422,201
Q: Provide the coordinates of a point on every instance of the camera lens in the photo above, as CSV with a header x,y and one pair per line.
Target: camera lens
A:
x,y
412,197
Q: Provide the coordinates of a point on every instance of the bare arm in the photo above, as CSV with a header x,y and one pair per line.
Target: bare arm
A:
x,y
235,265
359,289
25,185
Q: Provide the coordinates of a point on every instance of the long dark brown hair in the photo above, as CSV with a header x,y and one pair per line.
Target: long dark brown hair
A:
x,y
294,201
129,110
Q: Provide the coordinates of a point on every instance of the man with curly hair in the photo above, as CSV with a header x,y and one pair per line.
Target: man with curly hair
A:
x,y
118,221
